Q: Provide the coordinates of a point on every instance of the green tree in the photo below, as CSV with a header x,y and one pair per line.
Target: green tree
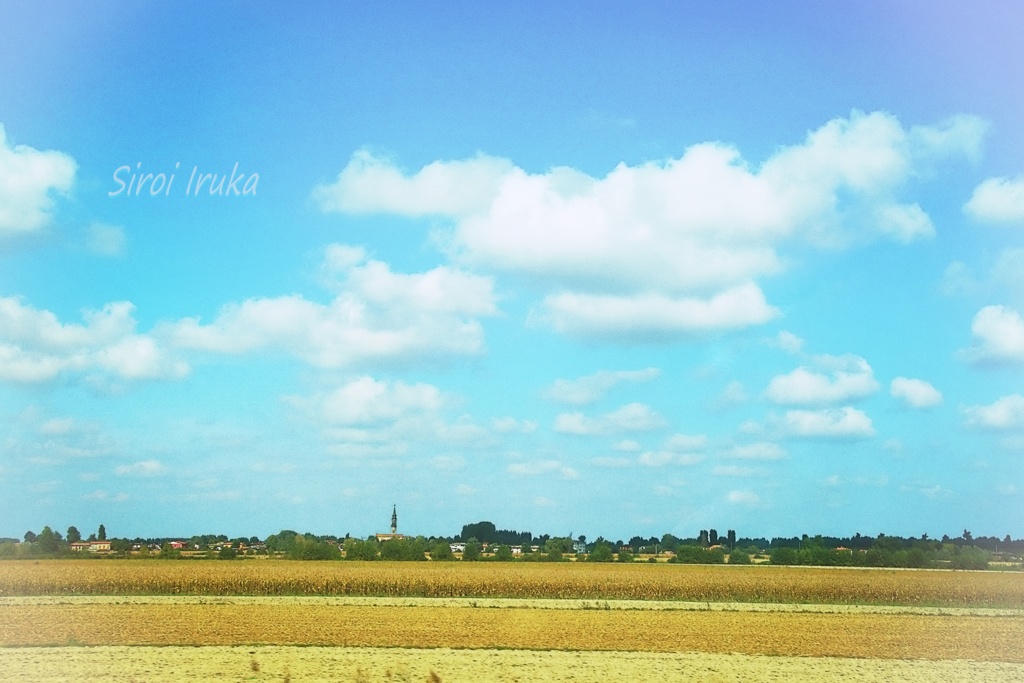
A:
x,y
503,553
472,551
167,552
625,556
739,557
30,537
73,535
48,542
441,551
602,552
101,535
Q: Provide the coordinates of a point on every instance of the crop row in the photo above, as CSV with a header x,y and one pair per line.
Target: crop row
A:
x,y
532,581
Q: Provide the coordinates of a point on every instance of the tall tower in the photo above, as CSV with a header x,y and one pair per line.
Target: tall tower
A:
x,y
394,519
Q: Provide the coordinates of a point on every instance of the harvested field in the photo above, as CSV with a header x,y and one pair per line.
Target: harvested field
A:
x,y
367,665
759,584
286,622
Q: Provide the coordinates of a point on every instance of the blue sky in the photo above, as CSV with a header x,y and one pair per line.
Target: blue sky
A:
x,y
566,269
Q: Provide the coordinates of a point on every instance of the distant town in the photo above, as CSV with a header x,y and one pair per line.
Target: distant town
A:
x,y
482,541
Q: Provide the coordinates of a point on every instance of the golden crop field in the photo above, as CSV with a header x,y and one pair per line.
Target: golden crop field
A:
x,y
167,621
698,583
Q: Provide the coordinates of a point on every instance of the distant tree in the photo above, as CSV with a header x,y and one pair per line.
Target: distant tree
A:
x,y
731,535
73,535
483,532
356,549
703,539
472,551
121,545
101,534
503,553
48,542
712,537
739,557
967,536
226,553
167,552
441,551
625,556
602,552
30,537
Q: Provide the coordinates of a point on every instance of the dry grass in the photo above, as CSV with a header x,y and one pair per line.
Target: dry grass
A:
x,y
520,580
289,622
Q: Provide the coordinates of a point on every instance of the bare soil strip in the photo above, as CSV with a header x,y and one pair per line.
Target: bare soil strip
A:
x,y
509,603
368,665
882,636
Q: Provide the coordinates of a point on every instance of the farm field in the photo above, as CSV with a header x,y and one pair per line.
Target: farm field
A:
x,y
339,621
581,581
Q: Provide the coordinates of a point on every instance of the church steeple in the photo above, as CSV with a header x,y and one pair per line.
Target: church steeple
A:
x,y
394,519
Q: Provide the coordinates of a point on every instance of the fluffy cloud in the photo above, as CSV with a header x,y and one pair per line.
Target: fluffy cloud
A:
x,y
537,468
743,497
105,240
850,377
663,458
143,468
593,387
654,316
835,423
28,179
35,346
630,417
378,315
915,393
672,247
762,450
999,337
1006,413
366,401
998,200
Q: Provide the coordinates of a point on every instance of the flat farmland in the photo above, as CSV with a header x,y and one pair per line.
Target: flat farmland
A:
x,y
169,621
568,580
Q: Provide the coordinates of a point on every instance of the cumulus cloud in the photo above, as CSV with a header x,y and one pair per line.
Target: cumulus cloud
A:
x,y
378,315
673,247
686,442
29,179
915,393
788,342
998,200
762,450
1006,413
366,401
105,240
630,417
849,377
999,337
590,388
143,468
833,423
743,497
537,468
663,458
35,346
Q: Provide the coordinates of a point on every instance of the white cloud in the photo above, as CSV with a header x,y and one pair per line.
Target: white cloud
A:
x,y
762,450
663,458
674,247
686,442
1005,413
999,337
36,347
788,342
737,471
743,497
915,393
607,461
850,377
834,423
998,200
143,468
105,240
628,445
655,316
630,417
28,180
510,425
537,468
448,463
590,388
366,401
370,184
100,495
379,315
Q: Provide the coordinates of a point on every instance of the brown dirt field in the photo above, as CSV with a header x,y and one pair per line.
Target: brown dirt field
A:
x,y
883,636
367,665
